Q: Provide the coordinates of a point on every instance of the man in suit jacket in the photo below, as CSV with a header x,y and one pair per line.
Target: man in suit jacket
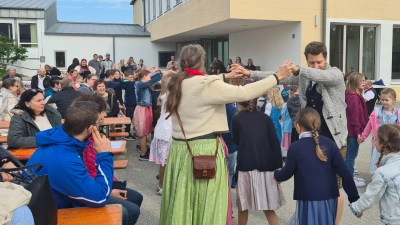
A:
x,y
40,80
11,73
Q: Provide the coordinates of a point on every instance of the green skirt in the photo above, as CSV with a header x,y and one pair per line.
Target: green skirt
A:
x,y
189,201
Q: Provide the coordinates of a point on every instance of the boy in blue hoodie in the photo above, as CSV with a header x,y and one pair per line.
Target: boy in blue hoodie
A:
x,y
130,98
60,152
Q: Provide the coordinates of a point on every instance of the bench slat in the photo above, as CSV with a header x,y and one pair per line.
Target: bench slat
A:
x,y
108,215
118,134
120,164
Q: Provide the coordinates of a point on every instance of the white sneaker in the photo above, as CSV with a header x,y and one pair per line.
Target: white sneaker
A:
x,y
159,191
356,172
359,179
359,183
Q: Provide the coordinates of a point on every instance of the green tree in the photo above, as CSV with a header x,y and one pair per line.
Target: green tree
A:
x,y
10,52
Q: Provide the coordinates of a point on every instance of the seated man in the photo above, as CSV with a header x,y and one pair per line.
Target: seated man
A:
x,y
60,152
64,97
40,80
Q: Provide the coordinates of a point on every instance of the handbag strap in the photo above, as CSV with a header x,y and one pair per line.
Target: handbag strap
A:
x,y
21,166
187,143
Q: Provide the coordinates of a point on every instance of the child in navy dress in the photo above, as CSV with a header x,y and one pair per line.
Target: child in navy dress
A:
x,y
314,161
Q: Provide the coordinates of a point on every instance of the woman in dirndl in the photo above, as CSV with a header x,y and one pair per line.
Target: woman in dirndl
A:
x,y
200,101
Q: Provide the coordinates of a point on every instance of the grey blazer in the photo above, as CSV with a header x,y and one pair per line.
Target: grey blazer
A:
x,y
331,85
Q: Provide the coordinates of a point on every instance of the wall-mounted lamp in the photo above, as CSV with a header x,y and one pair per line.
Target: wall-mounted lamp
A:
x,y
316,20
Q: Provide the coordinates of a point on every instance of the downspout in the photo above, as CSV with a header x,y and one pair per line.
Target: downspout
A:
x,y
114,49
144,15
324,21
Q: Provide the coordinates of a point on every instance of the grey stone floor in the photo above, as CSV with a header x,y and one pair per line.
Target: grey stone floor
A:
x,y
141,177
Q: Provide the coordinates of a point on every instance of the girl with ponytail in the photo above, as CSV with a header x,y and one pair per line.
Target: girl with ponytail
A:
x,y
314,160
385,181
259,155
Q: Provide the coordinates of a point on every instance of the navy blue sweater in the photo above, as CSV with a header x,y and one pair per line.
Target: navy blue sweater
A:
x,y
315,180
231,111
259,148
130,93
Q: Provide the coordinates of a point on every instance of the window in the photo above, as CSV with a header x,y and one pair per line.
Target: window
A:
x,y
160,7
154,10
28,35
164,58
6,30
60,59
396,54
352,48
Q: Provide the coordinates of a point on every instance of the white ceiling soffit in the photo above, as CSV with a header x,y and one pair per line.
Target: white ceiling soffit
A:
x,y
222,28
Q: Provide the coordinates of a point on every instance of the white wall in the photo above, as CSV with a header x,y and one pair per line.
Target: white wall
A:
x,y
268,47
383,45
31,64
141,48
81,47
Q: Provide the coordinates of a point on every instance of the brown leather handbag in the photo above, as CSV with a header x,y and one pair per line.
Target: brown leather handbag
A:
x,y
204,166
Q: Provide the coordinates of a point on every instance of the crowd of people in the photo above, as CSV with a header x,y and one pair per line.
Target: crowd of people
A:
x,y
238,125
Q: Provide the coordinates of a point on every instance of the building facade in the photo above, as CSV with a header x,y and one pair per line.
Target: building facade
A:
x,y
34,25
360,36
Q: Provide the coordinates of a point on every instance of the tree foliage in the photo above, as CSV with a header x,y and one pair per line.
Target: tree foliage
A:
x,y
10,52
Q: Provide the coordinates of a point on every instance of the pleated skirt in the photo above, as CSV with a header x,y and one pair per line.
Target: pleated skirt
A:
x,y
190,201
315,212
258,191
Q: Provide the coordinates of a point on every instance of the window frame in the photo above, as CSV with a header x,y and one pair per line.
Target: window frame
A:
x,y
361,43
12,28
65,58
19,34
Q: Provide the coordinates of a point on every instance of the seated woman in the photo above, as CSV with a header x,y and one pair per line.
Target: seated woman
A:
x,y
9,98
112,109
133,199
31,116
14,197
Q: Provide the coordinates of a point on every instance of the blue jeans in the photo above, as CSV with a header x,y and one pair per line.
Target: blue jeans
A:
x,y
131,206
231,166
352,152
22,216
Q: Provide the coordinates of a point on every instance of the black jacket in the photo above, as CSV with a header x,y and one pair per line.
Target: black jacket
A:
x,y
54,71
112,101
35,82
258,145
63,99
8,76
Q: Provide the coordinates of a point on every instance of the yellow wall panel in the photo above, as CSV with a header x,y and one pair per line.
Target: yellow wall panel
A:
x,y
364,9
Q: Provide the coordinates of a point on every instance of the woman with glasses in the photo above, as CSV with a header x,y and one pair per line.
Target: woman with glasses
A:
x,y
31,116
8,98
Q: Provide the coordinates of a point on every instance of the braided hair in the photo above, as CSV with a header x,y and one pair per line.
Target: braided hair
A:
x,y
388,135
308,118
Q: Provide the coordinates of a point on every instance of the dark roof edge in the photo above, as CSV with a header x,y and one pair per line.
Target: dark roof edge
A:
x,y
132,2
97,35
123,24
14,8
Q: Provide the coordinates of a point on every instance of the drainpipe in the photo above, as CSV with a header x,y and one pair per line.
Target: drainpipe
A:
x,y
114,49
324,21
144,15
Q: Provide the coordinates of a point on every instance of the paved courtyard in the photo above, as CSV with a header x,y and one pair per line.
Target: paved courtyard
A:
x,y
141,176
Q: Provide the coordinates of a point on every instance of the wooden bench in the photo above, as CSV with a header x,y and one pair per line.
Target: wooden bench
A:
x,y
107,215
120,164
26,153
118,134
3,139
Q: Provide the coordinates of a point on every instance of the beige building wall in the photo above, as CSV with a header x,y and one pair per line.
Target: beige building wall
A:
x,y
138,12
188,16
289,10
363,9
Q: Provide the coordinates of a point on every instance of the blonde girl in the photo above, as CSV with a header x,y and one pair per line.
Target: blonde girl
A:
x,y
79,81
385,181
385,114
162,136
274,108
